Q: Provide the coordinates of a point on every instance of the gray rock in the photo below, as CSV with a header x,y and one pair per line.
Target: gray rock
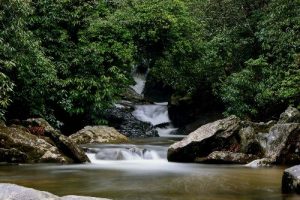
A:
x,y
16,192
290,115
68,147
282,143
291,180
263,162
226,157
221,135
98,134
29,148
12,155
38,142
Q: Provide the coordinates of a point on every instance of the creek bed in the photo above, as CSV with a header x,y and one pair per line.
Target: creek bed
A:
x,y
149,177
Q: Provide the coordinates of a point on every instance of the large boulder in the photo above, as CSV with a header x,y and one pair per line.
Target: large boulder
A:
x,y
18,145
221,135
291,180
290,115
16,192
282,143
233,141
38,142
98,134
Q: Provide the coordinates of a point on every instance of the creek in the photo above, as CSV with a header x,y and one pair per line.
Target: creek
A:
x,y
140,170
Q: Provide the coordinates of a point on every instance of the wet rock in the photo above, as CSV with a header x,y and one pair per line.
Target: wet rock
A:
x,y
263,162
290,115
12,155
98,134
226,157
221,135
249,141
291,180
282,143
68,147
40,142
16,192
123,120
16,141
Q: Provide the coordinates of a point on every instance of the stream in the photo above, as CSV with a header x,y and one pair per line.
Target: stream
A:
x,y
140,170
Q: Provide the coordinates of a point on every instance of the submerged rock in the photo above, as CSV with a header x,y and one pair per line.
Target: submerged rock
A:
x,y
215,136
227,157
263,162
291,180
16,192
98,134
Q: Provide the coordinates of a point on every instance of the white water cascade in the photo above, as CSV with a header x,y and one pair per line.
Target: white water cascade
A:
x,y
126,153
140,80
156,114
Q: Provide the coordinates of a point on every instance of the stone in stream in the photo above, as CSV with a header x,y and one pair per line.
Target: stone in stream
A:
x,y
231,140
216,136
37,143
16,192
291,180
98,134
227,157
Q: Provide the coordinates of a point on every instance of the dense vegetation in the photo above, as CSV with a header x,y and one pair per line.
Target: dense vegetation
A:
x,y
71,59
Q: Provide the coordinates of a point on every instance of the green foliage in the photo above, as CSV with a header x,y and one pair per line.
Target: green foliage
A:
x,y
6,88
22,60
73,58
92,55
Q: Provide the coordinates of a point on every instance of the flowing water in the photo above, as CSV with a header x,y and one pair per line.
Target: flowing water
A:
x,y
140,171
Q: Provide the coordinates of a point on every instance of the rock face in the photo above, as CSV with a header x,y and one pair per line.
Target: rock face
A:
x,y
98,134
290,115
217,136
123,120
15,192
231,140
37,143
291,180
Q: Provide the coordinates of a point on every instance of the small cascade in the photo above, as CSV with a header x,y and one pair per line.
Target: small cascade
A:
x,y
125,153
140,80
154,114
157,114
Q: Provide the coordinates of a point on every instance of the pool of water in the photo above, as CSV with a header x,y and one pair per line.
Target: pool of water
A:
x,y
148,177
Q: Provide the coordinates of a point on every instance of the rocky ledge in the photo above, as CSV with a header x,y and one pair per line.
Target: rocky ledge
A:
x,y
16,192
232,140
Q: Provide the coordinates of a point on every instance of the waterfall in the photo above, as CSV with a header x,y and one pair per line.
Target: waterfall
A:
x,y
155,114
140,80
